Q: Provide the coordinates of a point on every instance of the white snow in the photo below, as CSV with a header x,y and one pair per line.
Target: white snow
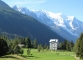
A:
x,y
70,17
19,9
55,19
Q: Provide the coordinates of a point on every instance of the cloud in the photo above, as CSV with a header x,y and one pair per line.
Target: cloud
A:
x,y
22,2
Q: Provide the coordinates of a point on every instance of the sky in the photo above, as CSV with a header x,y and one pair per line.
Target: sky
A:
x,y
67,7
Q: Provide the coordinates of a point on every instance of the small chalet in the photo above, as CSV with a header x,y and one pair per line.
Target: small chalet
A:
x,y
21,45
54,44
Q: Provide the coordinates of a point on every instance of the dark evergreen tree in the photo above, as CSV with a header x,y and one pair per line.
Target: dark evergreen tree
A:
x,y
21,51
15,42
79,46
61,46
39,47
72,45
42,48
75,46
21,40
11,48
28,42
45,46
16,50
3,47
28,52
68,46
64,44
35,43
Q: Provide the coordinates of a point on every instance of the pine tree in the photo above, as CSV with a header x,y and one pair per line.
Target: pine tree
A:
x,y
21,51
65,44
79,46
11,48
39,47
3,47
68,46
16,50
47,48
61,46
28,52
35,43
28,42
72,45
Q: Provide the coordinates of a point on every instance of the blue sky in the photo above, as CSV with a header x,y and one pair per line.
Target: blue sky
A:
x,y
67,7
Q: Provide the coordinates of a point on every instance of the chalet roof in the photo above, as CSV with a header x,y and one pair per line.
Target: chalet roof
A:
x,y
53,40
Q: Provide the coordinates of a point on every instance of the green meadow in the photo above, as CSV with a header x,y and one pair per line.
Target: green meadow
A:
x,y
43,55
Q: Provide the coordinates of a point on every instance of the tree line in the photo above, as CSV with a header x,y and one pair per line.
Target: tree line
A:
x,y
10,46
66,45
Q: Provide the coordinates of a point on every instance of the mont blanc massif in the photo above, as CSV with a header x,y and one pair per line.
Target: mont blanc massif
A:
x,y
42,25
68,27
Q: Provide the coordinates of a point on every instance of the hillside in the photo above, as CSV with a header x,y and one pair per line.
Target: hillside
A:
x,y
13,22
65,26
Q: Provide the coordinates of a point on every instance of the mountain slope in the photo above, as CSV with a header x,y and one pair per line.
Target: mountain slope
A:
x,y
3,4
13,22
66,26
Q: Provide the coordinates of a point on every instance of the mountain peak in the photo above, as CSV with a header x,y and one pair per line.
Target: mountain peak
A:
x,y
15,7
42,10
70,17
59,16
59,13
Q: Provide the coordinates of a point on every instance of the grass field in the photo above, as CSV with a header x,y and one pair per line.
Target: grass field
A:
x,y
43,55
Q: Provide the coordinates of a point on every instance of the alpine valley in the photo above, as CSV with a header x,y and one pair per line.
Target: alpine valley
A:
x,y
14,23
69,27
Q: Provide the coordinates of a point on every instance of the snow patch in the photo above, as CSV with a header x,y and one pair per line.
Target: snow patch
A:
x,y
70,17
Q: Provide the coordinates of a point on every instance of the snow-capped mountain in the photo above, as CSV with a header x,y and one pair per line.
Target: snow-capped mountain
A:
x,y
68,27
